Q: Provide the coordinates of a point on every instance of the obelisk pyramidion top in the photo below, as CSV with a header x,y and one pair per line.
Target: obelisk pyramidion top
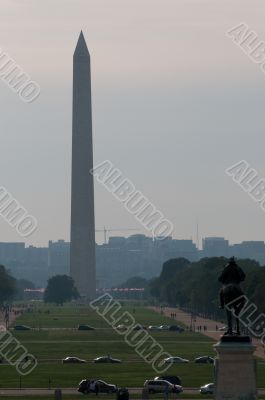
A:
x,y
81,47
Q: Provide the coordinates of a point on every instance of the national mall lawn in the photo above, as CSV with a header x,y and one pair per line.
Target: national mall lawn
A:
x,y
55,336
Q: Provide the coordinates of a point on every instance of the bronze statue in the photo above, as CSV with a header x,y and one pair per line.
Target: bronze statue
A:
x,y
231,277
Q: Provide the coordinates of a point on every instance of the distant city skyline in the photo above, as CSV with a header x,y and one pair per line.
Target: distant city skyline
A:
x,y
120,258
110,237
175,103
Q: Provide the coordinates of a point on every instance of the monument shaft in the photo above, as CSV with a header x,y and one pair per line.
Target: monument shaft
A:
x,y
82,250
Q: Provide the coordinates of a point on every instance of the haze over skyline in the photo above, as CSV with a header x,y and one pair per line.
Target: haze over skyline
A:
x,y
174,104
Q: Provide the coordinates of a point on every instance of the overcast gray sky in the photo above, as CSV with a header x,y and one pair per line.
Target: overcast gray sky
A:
x,y
175,103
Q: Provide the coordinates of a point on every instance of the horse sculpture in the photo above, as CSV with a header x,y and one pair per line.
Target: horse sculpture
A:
x,y
231,295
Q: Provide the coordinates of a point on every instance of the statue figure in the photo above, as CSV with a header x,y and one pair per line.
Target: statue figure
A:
x,y
231,277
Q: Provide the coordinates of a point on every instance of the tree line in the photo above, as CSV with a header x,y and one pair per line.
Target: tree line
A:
x,y
195,286
60,288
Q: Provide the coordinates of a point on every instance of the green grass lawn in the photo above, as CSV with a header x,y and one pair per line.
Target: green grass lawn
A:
x,y
62,339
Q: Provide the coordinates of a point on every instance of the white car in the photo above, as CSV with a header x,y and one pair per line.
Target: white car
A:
x,y
207,389
223,328
121,327
153,328
176,360
164,327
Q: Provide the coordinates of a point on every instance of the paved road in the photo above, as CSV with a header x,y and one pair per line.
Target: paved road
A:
x,y
39,391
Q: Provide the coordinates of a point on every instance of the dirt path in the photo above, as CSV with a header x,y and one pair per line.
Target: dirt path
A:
x,y
211,332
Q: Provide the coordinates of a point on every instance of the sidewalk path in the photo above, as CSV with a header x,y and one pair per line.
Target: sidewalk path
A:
x,y
211,332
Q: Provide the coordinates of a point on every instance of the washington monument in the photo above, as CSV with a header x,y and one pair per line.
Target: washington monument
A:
x,y
82,249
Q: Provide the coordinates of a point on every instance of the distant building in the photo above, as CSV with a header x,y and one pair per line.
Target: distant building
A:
x,y
121,258
117,242
36,257
12,252
175,248
58,257
139,242
25,262
249,249
35,267
215,247
137,255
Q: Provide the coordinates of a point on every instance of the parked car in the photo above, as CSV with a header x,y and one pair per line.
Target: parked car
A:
x,y
103,387
84,386
176,360
96,385
223,328
73,360
153,328
207,389
85,328
204,360
164,327
174,379
176,328
22,328
138,327
106,359
161,386
121,327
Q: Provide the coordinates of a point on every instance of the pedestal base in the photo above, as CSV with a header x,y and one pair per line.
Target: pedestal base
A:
x,y
235,369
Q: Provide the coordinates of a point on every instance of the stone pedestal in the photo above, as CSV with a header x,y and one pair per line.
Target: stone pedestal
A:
x,y
235,369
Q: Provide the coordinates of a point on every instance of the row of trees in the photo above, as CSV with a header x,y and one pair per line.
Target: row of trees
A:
x,y
11,288
8,285
192,285
60,288
195,285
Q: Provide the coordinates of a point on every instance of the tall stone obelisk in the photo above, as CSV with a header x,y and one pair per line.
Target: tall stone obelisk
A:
x,y
82,249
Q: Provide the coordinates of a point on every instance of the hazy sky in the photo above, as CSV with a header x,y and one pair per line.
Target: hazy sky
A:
x,y
175,102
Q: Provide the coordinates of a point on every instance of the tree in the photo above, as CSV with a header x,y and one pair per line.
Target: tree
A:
x,y
7,285
60,288
195,285
165,287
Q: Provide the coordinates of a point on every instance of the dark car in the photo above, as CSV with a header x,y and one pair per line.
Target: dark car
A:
x,y
73,360
204,360
96,386
85,328
174,379
22,328
84,386
104,387
138,327
176,328
107,359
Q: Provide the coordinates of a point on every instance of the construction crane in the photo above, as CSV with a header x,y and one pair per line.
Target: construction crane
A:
x,y
105,230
